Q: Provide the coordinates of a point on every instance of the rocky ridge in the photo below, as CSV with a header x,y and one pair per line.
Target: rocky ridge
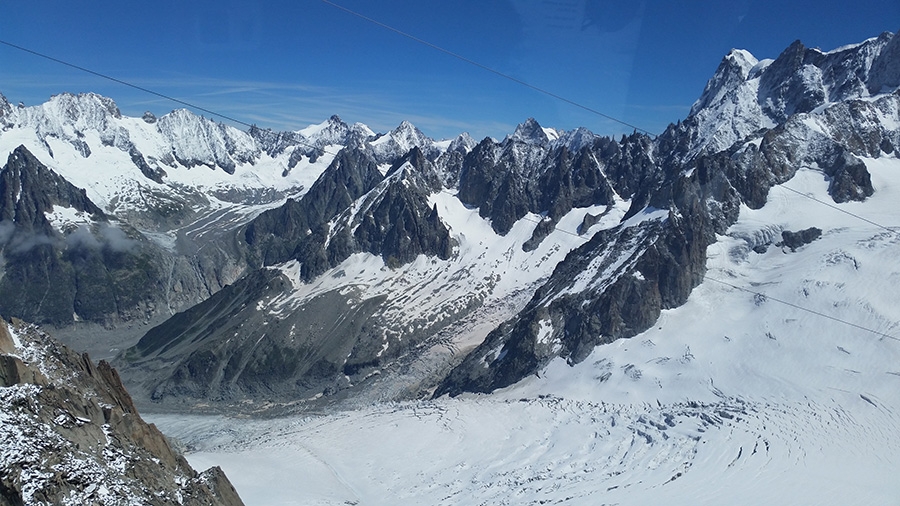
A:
x,y
754,127
71,434
394,240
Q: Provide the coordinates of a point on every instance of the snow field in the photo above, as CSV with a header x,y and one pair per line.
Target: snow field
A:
x,y
732,398
485,270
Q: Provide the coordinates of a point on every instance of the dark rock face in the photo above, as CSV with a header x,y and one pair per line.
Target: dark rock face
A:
x,y
885,73
71,433
226,349
791,84
229,348
275,236
400,227
525,174
615,285
154,174
29,189
850,180
97,272
794,240
187,338
394,219
5,108
612,287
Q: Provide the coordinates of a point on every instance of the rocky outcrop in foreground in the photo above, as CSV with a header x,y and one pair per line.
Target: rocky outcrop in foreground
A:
x,y
70,434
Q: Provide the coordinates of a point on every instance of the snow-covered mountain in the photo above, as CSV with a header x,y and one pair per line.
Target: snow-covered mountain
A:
x,y
415,251
175,187
616,285
730,336
587,240
746,95
707,306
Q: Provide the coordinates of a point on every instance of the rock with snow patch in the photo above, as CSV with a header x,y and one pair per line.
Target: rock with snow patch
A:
x,y
71,434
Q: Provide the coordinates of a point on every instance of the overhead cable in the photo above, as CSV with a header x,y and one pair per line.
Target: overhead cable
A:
x,y
125,83
836,208
486,68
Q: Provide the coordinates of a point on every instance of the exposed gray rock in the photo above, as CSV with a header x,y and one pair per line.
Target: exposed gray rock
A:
x,y
101,271
885,72
612,287
275,236
794,240
71,434
5,110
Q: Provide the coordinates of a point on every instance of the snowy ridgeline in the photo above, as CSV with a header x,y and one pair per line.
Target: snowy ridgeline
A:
x,y
734,398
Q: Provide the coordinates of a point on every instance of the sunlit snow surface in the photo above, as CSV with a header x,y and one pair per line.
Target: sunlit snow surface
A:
x,y
732,398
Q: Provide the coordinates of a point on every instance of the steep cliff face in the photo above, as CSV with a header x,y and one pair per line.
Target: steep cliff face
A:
x,y
64,259
755,126
612,287
747,95
71,434
254,340
275,235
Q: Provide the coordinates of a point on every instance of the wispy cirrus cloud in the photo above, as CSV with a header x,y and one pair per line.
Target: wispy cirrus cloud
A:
x,y
269,104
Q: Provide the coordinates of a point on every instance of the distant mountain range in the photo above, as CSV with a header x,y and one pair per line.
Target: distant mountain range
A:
x,y
334,262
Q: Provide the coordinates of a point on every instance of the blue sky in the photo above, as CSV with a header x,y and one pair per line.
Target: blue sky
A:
x,y
287,64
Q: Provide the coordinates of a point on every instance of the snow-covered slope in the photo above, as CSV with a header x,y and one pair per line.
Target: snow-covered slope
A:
x,y
403,269
740,396
775,380
746,94
180,185
659,319
179,157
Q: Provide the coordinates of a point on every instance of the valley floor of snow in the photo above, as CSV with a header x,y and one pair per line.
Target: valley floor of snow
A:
x,y
734,398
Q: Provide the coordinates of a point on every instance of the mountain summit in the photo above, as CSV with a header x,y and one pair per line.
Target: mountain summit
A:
x,y
332,261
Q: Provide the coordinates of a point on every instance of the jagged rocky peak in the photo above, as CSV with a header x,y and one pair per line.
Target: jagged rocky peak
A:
x,y
29,190
463,143
732,72
87,107
66,116
5,109
92,269
389,147
746,96
334,131
884,74
415,166
407,136
577,139
196,140
792,83
71,434
802,109
531,132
